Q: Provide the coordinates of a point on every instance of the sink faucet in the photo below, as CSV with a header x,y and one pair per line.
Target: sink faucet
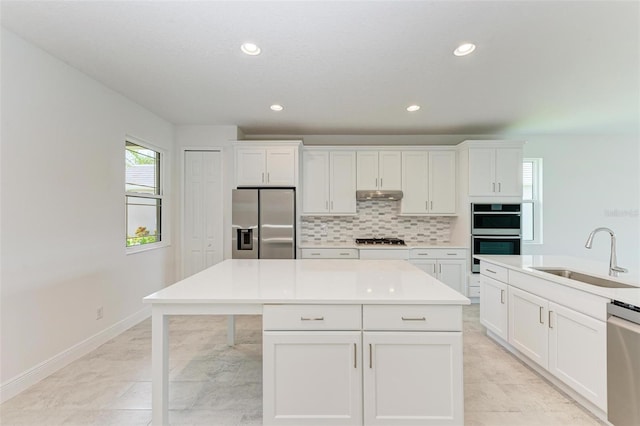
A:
x,y
613,268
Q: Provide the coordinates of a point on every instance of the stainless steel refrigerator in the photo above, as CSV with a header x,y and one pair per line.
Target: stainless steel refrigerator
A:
x,y
264,223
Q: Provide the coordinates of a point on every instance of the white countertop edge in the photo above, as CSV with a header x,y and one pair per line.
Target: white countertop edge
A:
x,y
460,301
525,264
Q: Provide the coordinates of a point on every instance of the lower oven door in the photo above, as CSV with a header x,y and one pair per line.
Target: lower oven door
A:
x,y
489,245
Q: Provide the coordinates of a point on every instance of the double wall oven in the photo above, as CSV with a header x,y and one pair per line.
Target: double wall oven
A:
x,y
495,229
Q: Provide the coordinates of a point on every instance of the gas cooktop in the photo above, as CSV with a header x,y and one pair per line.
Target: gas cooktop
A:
x,y
380,241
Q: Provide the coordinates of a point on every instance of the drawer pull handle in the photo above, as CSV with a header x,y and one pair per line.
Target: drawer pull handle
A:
x,y
311,318
423,254
413,319
489,270
451,254
344,254
315,254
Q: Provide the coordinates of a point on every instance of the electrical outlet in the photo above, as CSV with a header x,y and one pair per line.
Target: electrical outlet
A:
x,y
99,313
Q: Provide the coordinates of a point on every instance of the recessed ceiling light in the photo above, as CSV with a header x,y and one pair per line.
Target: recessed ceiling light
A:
x,y
276,107
464,49
413,108
250,49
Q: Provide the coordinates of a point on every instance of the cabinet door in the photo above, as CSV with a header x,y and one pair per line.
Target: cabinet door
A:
x,y
415,182
312,378
482,177
453,273
442,182
390,170
509,172
367,169
493,306
250,166
412,378
578,352
342,182
281,169
528,325
428,266
315,182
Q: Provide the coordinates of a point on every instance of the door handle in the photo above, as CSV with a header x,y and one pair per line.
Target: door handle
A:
x,y
550,319
502,297
268,177
370,356
493,187
541,315
380,183
499,187
355,356
262,177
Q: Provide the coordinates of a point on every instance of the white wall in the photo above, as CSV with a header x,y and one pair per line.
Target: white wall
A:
x,y
204,138
589,181
62,212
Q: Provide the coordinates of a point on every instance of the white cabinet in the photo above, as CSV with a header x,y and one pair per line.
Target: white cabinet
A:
x,y
362,365
379,170
384,254
446,265
329,253
495,172
493,306
570,345
329,182
312,378
412,378
266,166
428,182
528,325
578,352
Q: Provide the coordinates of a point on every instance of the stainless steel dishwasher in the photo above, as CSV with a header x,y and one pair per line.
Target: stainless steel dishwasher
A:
x,y
623,364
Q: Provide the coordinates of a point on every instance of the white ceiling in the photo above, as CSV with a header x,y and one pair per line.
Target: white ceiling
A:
x,y
345,67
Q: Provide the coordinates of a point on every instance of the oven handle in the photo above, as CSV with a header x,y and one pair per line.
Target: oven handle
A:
x,y
503,237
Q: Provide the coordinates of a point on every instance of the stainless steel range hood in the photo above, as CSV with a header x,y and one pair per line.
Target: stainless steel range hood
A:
x,y
378,195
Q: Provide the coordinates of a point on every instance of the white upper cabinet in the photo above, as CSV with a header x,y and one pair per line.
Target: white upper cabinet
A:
x,y
266,166
379,170
495,172
428,182
329,182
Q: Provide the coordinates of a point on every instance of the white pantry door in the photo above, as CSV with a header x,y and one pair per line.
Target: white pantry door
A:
x,y
202,211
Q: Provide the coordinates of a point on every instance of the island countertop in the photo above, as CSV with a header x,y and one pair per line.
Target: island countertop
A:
x,y
527,263
316,281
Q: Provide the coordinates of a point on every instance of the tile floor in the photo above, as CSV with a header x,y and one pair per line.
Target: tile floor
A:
x,y
213,384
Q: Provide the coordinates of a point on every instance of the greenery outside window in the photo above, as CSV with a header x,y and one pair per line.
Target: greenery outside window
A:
x,y
532,200
143,194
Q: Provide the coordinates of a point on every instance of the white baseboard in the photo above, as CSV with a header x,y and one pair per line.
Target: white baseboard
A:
x,y
22,382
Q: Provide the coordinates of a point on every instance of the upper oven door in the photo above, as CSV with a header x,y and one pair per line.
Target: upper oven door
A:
x,y
495,219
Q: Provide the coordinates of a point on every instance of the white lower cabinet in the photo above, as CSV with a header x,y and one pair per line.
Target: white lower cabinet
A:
x,y
412,378
528,325
446,265
578,352
570,345
409,374
312,378
493,306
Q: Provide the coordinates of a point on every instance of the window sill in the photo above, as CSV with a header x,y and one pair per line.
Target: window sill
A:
x,y
146,247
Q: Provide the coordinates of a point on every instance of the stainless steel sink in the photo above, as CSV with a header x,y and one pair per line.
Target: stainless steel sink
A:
x,y
584,278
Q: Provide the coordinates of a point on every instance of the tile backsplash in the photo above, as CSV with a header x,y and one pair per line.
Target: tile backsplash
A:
x,y
376,218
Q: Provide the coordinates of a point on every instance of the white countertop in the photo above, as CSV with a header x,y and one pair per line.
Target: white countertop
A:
x,y
314,281
525,264
380,246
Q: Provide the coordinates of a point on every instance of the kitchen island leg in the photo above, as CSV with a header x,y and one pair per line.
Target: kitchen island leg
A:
x,y
159,367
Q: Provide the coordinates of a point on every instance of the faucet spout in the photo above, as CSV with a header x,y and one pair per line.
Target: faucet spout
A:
x,y
614,269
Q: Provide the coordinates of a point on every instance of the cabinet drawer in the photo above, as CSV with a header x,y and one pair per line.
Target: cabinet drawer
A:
x,y
473,291
384,254
312,317
424,253
412,317
496,272
329,253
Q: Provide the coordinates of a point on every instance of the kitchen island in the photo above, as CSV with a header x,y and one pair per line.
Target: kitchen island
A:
x,y
344,341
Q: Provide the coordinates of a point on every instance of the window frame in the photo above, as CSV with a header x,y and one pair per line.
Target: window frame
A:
x,y
161,197
535,200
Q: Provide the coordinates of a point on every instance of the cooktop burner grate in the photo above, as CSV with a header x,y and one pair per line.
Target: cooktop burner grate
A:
x,y
380,241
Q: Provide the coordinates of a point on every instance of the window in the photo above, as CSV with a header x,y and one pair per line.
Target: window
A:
x,y
143,194
532,200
